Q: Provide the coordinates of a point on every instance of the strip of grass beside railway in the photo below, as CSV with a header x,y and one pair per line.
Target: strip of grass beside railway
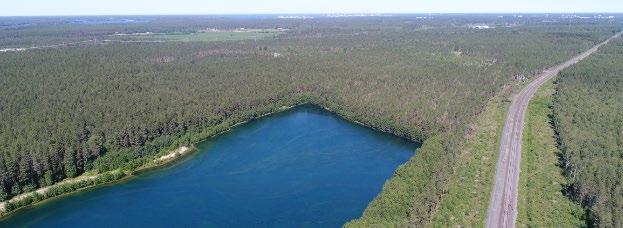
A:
x,y
541,202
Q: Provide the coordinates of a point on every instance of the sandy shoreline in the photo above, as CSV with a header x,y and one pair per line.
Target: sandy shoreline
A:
x,y
43,190
183,150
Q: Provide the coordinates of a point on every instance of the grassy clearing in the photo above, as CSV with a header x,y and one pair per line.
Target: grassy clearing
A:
x,y
467,198
211,36
541,202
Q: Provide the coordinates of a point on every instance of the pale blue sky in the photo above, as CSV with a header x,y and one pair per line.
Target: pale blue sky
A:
x,y
136,7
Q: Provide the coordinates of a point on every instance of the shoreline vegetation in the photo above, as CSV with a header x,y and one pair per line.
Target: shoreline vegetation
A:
x,y
84,182
65,187
94,179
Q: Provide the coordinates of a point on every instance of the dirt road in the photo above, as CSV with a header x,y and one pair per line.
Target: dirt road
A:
x,y
503,203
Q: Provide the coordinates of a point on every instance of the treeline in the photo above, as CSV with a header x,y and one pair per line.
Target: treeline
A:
x,y
588,117
104,107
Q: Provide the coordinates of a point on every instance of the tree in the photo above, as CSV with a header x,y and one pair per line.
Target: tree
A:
x,y
69,163
3,194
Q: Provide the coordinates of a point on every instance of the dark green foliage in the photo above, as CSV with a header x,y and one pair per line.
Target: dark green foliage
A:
x,y
588,115
107,106
3,194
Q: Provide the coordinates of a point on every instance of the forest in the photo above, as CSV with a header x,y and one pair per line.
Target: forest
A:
x,y
101,105
588,118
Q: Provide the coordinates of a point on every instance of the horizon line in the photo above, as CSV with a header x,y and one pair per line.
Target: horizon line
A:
x,y
316,13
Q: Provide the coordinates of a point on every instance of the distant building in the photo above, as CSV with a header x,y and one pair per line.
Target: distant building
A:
x,y
208,30
480,26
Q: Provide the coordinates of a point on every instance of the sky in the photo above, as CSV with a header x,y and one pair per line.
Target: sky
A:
x,y
158,7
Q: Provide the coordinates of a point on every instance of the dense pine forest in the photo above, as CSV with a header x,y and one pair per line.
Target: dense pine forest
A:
x,y
103,102
588,117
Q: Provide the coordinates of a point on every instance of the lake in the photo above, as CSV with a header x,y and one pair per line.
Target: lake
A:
x,y
304,167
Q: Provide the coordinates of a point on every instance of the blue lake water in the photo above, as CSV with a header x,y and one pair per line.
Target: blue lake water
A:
x,y
301,168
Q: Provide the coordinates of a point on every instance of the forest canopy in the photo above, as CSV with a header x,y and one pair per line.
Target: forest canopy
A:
x,y
588,116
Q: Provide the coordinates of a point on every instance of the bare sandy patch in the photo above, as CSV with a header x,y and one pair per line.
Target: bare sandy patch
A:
x,y
174,154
